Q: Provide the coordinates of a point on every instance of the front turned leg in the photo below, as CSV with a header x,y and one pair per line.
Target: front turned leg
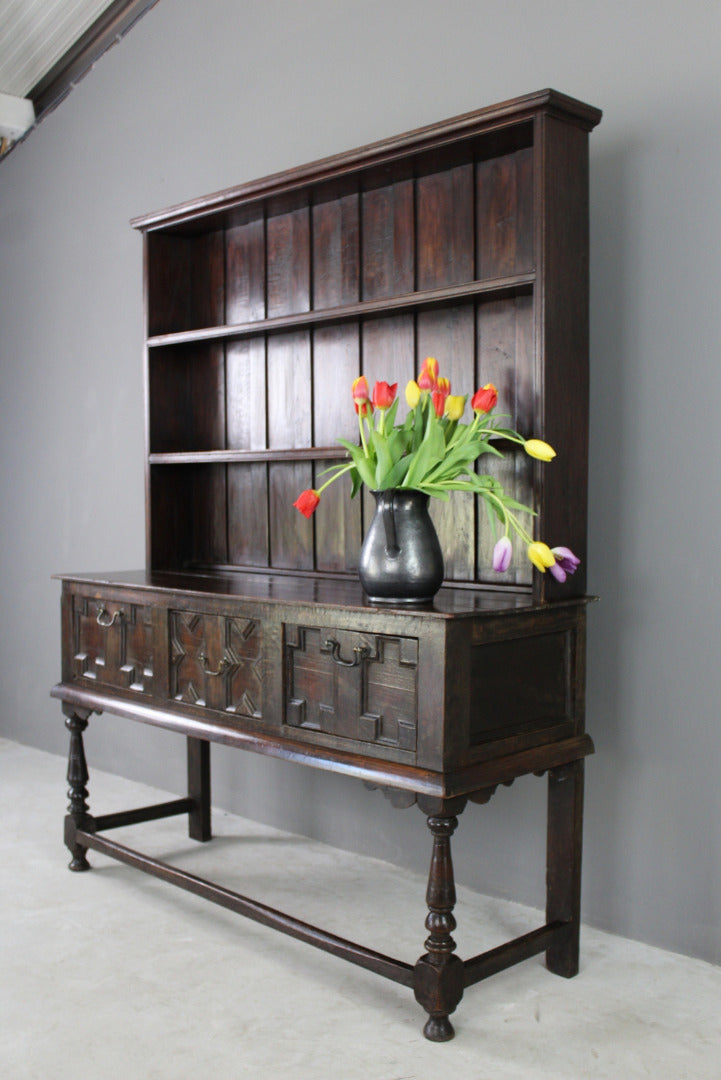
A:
x,y
439,975
77,776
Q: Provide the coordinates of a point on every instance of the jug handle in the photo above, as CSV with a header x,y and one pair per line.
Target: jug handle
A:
x,y
389,521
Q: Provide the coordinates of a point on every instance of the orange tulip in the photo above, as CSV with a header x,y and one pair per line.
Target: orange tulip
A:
x,y
484,399
361,396
429,374
426,380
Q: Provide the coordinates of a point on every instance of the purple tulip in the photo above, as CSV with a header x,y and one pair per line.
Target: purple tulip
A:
x,y
566,563
558,572
502,554
566,558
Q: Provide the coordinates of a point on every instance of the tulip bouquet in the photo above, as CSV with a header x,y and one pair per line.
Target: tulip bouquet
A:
x,y
433,451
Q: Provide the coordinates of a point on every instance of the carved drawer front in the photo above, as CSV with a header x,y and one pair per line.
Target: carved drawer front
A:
x,y
113,644
353,685
216,662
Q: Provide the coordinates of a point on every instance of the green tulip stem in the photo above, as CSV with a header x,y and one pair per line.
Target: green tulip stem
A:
x,y
508,518
362,432
339,472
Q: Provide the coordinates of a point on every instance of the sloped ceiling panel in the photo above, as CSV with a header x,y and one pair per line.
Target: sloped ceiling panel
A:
x,y
35,34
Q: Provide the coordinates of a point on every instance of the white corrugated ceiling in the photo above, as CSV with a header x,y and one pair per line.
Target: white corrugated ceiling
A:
x,y
35,34
46,47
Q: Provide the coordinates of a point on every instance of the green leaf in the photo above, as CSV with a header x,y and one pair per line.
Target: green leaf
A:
x,y
356,482
363,464
505,433
513,505
391,415
383,458
430,452
435,490
455,461
397,473
420,420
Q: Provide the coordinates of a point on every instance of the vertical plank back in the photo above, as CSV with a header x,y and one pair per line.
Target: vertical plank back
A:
x,y
467,241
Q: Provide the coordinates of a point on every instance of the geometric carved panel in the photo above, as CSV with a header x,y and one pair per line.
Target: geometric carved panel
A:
x,y
136,661
113,644
352,685
187,644
216,662
244,678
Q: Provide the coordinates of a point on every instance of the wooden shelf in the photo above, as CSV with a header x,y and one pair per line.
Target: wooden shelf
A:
x,y
494,289
219,457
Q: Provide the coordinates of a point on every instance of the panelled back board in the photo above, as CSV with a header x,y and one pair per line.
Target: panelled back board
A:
x,y
466,241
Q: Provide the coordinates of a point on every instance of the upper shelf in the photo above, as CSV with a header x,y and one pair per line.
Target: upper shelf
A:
x,y
495,288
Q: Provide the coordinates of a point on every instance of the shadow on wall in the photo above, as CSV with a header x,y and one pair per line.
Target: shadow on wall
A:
x,y
614,352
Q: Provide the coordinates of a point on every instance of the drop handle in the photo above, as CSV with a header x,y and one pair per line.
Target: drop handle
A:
x,y
105,619
333,647
222,666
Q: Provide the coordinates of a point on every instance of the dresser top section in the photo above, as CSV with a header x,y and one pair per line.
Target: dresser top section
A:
x,y
422,141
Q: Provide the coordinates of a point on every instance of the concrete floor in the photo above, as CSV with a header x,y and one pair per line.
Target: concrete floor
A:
x,y
112,974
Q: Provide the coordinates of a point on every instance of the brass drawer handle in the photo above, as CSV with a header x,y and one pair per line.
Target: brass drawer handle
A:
x,y
222,666
104,621
333,647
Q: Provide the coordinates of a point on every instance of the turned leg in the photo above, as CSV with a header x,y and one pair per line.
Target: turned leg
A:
x,y
438,977
77,776
563,864
199,827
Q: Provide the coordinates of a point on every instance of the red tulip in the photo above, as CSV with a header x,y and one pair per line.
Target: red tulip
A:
x,y
384,395
439,402
484,399
307,502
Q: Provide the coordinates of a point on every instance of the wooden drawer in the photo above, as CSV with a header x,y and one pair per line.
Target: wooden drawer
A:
x,y
215,662
352,685
112,644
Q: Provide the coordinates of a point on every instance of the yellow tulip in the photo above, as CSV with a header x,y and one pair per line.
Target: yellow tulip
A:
x,y
455,404
540,555
413,393
537,448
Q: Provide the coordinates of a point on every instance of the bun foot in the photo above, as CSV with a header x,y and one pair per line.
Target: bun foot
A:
x,y
78,863
438,1029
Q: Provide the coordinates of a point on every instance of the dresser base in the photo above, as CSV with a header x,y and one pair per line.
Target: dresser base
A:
x,y
439,977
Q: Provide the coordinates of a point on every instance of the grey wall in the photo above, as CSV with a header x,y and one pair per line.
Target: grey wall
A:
x,y
203,96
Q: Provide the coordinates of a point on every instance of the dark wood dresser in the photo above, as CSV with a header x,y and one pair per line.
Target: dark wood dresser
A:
x,y
466,240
